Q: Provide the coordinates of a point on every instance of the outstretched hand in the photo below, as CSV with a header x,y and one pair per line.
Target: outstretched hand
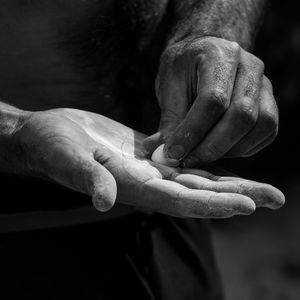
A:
x,y
95,155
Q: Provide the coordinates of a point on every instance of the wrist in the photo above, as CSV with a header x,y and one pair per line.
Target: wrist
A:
x,y
233,20
11,155
242,37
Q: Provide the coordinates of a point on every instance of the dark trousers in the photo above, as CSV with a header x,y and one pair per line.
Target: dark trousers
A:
x,y
136,257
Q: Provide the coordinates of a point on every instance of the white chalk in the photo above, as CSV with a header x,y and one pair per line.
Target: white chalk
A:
x,y
159,157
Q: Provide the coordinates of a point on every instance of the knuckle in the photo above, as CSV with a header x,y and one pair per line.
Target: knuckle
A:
x,y
204,49
214,210
251,88
218,100
221,48
171,52
258,64
245,188
205,42
234,47
245,112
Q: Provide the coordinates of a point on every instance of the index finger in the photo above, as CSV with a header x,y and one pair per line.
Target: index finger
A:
x,y
215,80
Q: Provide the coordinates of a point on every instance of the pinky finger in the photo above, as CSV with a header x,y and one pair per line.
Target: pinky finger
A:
x,y
262,145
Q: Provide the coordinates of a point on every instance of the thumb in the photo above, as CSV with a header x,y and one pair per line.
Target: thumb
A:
x,y
168,124
171,95
152,142
84,174
101,185
73,167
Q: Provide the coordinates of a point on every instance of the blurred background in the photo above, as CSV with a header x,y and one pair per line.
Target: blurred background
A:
x,y
259,256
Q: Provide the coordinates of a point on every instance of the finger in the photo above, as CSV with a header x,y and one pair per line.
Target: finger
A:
x,y
227,176
215,79
264,195
97,182
79,171
171,92
266,127
238,120
268,141
102,187
177,200
151,143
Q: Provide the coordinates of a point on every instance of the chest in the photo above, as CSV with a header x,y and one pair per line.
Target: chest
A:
x,y
68,53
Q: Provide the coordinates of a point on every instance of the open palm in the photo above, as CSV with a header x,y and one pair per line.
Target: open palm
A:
x,y
92,154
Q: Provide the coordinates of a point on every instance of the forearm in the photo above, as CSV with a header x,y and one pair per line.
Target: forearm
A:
x,y
234,20
11,119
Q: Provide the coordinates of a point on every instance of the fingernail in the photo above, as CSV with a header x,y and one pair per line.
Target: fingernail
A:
x,y
247,208
175,152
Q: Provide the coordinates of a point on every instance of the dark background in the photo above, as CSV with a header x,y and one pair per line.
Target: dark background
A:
x,y
278,45
259,256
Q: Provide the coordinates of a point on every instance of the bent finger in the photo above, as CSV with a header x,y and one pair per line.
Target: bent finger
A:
x,y
238,120
77,170
102,186
215,80
266,127
265,143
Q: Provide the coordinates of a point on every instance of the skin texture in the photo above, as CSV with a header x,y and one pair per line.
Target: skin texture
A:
x,y
233,20
92,154
215,99
45,63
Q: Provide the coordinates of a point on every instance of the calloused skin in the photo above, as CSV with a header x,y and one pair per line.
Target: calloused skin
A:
x,y
92,154
215,100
